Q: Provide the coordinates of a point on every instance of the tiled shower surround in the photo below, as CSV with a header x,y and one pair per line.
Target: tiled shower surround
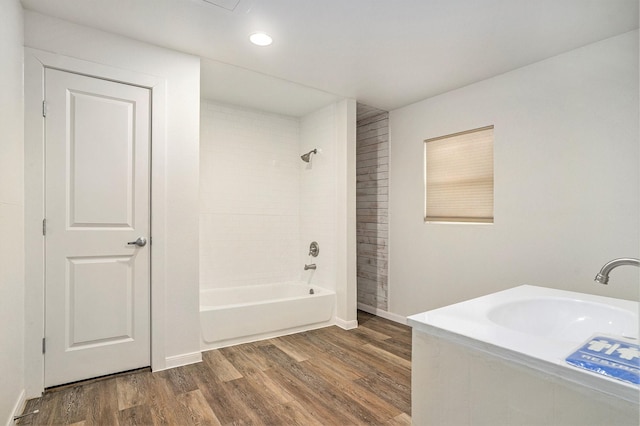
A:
x,y
249,197
260,204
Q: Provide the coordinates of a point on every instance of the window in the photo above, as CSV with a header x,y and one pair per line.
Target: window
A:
x,y
459,177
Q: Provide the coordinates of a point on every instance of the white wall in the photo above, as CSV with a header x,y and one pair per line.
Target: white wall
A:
x,y
346,243
11,211
249,197
180,327
566,182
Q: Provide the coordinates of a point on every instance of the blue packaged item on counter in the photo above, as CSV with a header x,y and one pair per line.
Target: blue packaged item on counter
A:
x,y
610,357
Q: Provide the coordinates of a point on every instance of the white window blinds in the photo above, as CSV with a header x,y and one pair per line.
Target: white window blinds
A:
x,y
459,177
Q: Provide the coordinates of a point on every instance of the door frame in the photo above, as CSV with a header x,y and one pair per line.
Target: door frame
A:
x,y
35,63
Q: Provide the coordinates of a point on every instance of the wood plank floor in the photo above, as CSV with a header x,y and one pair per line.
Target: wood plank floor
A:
x,y
321,377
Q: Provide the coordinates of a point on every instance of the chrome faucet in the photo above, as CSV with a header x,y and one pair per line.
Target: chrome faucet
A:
x,y
603,275
311,266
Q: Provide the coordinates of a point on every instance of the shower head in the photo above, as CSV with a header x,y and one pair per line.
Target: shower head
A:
x,y
306,157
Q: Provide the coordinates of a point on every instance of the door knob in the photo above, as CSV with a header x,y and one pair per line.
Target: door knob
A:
x,y
140,242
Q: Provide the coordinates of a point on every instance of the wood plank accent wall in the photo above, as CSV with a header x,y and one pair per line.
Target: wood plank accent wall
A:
x,y
372,200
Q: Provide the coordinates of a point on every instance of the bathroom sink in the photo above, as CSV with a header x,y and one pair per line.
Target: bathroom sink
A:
x,y
537,327
564,318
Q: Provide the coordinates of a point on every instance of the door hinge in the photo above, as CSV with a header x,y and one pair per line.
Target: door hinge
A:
x,y
44,108
44,227
44,345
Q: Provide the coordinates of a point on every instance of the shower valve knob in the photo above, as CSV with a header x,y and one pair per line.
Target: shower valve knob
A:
x,y
314,249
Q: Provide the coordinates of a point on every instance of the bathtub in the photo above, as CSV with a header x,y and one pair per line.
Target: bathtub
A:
x,y
504,355
234,315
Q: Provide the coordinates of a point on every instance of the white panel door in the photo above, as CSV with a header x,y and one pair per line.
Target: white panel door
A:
x,y
97,143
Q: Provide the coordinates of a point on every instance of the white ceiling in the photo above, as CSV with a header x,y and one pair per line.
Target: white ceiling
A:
x,y
384,53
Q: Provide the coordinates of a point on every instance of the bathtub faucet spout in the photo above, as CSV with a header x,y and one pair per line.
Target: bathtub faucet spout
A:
x,y
603,275
311,266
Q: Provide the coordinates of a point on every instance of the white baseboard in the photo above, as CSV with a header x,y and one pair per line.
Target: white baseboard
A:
x,y
346,325
180,360
384,314
17,408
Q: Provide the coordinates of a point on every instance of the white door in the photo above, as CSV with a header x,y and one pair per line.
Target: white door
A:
x,y
97,285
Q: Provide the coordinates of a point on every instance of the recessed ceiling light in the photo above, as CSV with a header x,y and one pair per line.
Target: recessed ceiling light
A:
x,y
261,39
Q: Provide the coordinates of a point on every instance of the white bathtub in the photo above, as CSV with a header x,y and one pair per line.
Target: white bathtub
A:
x,y
514,343
234,315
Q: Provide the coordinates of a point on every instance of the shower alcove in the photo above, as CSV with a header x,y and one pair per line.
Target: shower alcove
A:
x,y
261,206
